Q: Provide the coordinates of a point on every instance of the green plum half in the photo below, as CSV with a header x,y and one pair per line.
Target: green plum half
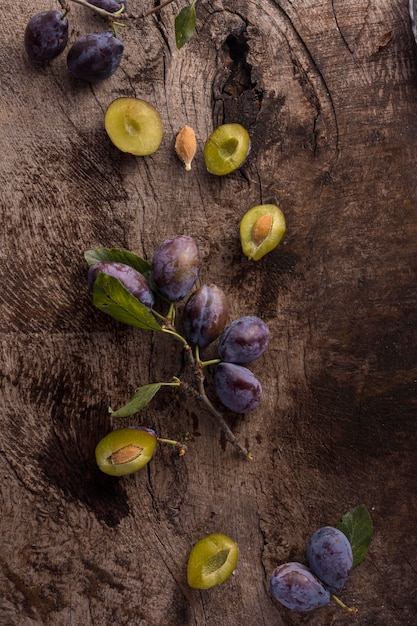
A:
x,y
134,126
261,230
226,149
212,561
125,450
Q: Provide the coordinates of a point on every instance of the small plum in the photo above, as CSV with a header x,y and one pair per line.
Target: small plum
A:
x,y
131,279
237,387
175,267
205,315
330,557
245,340
296,587
46,36
95,56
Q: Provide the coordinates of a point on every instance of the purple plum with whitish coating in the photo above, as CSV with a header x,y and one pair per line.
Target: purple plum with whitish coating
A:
x,y
131,279
245,340
330,557
175,267
296,587
205,315
237,387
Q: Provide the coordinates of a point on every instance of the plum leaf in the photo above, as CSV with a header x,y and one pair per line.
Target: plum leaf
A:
x,y
357,525
118,255
112,298
185,25
141,397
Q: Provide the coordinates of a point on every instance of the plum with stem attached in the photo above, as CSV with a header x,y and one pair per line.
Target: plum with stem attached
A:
x,y
46,36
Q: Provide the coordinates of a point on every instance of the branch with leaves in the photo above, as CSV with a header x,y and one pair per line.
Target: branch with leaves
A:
x,y
185,21
112,298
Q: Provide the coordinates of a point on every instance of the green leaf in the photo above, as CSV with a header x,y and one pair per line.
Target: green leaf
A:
x,y
118,255
185,25
112,298
357,525
141,397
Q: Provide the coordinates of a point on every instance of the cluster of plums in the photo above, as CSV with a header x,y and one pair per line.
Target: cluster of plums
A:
x,y
92,57
330,560
174,269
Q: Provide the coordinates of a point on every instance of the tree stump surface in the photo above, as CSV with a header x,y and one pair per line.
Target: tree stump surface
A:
x,y
330,102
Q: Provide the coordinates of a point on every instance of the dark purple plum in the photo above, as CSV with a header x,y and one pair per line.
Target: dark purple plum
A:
x,y
245,340
296,587
205,315
131,279
46,36
330,557
237,387
95,57
111,6
175,267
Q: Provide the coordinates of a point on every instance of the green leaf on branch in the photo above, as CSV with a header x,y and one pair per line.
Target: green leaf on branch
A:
x,y
112,298
141,397
185,25
118,255
357,525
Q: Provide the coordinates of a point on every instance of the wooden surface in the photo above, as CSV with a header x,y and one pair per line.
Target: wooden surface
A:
x,y
333,121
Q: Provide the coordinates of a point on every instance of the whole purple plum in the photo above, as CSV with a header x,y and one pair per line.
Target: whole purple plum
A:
x,y
330,557
175,267
205,315
95,57
237,387
245,340
46,36
296,587
131,279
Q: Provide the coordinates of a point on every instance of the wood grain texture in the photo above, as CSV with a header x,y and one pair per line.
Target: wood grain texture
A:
x,y
333,122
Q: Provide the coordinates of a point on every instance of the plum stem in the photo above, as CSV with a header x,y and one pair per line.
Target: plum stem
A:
x,y
201,363
120,12
200,394
156,9
348,609
222,423
174,333
178,444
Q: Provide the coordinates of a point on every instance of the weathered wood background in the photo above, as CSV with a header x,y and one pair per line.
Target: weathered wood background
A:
x,y
333,120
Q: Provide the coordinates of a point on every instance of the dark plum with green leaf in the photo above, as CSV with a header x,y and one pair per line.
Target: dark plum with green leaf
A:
x,y
131,279
205,315
330,557
296,587
245,340
237,387
46,36
95,57
175,267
